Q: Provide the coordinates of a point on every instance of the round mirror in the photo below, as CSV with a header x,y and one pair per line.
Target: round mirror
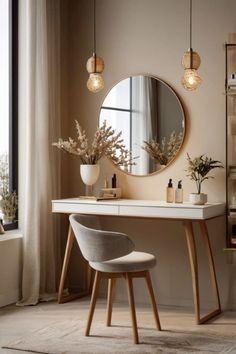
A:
x,y
151,118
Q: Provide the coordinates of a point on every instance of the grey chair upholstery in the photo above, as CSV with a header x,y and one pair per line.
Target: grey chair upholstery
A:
x,y
111,254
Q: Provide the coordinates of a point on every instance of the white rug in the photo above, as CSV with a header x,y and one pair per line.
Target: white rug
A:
x,y
68,338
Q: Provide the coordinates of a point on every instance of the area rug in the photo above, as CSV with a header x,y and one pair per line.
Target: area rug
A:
x,y
68,338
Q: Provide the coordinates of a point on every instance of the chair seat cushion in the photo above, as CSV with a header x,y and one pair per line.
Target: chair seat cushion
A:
x,y
133,262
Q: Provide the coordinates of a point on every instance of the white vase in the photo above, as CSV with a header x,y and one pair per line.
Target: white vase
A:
x,y
198,198
89,174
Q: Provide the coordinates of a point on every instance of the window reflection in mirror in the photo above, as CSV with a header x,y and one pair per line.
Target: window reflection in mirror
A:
x,y
151,118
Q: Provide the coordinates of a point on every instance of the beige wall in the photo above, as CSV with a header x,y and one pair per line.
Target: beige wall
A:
x,y
150,36
11,267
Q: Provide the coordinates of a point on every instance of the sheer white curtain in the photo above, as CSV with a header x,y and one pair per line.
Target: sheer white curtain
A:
x,y
143,118
39,126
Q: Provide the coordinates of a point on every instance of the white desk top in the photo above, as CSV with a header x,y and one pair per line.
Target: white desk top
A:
x,y
138,208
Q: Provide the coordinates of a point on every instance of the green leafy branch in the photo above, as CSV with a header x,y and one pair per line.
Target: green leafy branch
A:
x,y
199,167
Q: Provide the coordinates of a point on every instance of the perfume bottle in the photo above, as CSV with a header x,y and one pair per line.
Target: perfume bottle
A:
x,y
113,181
232,80
170,192
179,193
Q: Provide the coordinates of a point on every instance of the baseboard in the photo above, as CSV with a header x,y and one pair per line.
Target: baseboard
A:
x,y
9,298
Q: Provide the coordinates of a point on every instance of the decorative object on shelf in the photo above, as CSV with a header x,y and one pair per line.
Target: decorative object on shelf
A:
x,y
232,82
95,64
198,169
163,153
110,193
191,62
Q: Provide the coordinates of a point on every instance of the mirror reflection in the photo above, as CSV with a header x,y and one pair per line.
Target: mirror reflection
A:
x,y
151,118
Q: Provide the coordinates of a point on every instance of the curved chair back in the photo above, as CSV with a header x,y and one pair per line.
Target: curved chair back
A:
x,y
90,221
98,245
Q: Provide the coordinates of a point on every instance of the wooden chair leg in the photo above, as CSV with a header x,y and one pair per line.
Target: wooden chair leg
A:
x,y
93,301
89,278
132,306
110,291
153,301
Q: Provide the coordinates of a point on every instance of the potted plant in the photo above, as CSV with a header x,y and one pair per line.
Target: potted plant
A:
x,y
8,205
8,200
198,169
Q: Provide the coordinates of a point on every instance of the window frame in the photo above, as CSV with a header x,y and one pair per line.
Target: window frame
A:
x,y
13,103
127,110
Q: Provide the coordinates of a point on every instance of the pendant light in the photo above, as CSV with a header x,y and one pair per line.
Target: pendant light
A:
x,y
95,64
191,62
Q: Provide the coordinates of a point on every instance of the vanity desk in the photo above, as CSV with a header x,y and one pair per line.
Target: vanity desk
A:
x,y
186,213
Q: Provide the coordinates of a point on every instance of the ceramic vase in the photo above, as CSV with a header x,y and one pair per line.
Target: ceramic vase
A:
x,y
198,198
89,175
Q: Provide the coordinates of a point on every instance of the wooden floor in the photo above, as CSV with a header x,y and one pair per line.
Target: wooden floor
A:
x,y
16,322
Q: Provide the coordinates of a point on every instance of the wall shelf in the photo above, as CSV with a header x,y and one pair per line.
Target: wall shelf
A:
x,y
230,104
230,93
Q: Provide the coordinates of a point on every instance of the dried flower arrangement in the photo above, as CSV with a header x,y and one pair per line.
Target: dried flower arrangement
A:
x,y
165,151
105,143
8,200
9,203
199,167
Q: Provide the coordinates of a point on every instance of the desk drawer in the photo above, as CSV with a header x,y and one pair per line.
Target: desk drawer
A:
x,y
69,208
169,212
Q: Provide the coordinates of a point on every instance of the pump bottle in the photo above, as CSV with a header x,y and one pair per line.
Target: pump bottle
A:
x,y
179,193
170,192
113,181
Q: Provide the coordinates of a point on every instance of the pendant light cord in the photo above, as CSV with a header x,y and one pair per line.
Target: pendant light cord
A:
x,y
190,33
190,22
94,36
94,26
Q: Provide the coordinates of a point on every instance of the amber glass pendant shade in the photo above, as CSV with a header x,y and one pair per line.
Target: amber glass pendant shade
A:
x,y
191,80
95,82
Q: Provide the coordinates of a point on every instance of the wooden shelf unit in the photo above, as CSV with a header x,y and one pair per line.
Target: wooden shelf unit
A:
x,y
230,114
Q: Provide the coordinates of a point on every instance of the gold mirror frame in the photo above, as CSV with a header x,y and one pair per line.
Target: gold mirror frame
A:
x,y
165,90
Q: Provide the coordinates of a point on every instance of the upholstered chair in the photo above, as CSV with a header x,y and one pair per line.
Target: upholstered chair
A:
x,y
111,254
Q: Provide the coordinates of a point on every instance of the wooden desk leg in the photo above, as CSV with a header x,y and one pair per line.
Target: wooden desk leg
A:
x,y
194,269
69,244
65,298
215,290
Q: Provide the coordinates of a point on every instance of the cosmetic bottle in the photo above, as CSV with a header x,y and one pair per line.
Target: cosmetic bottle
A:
x,y
105,183
232,80
170,192
113,181
179,193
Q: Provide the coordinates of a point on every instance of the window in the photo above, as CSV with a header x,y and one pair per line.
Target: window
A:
x,y
8,106
117,110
